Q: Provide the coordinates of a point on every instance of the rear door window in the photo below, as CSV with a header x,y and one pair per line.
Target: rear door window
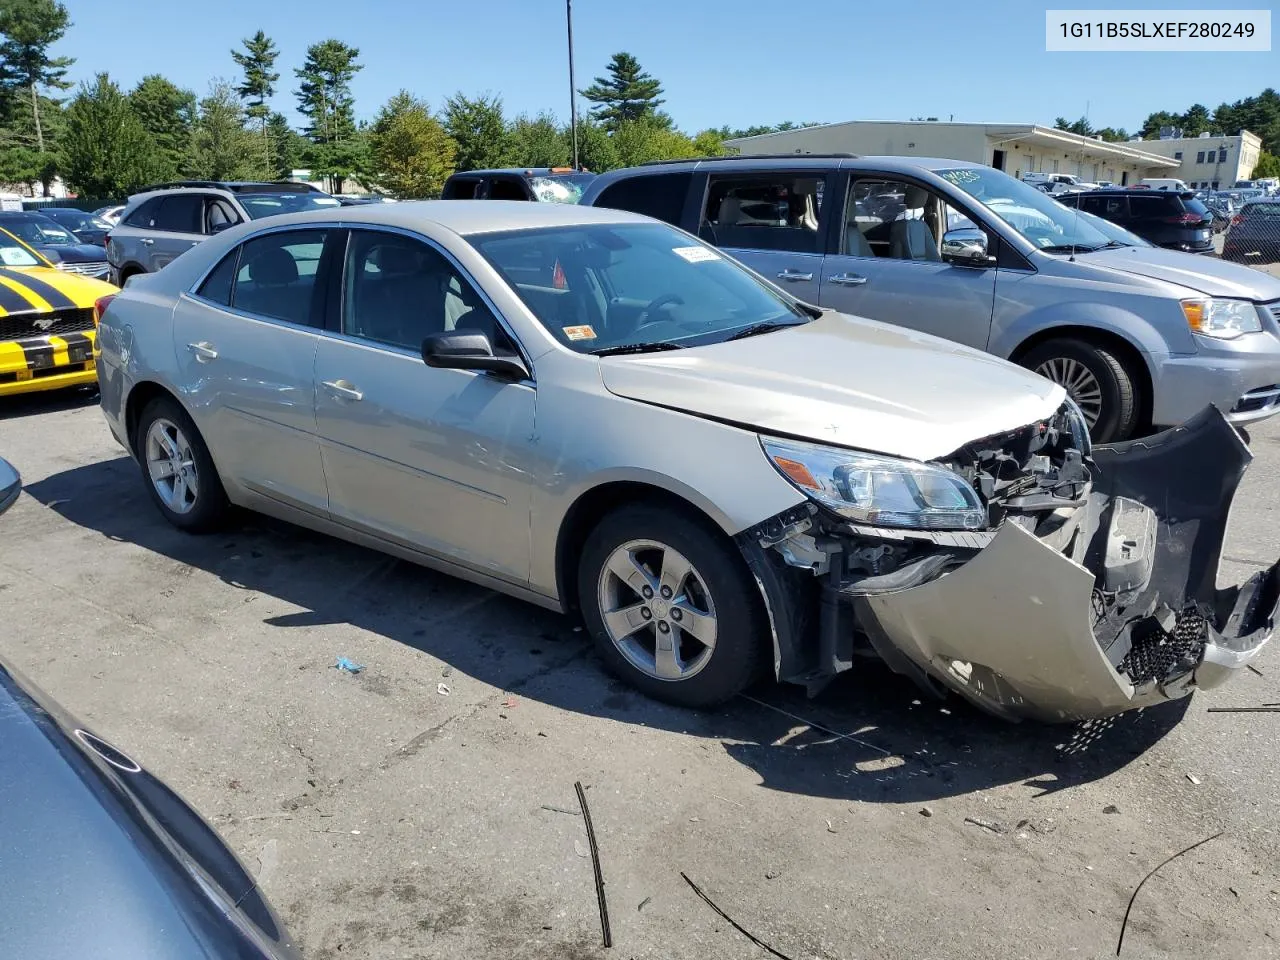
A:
x,y
145,214
777,211
180,213
277,276
1154,205
659,195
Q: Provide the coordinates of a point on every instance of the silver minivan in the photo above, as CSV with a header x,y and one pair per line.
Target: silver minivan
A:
x,y
1140,337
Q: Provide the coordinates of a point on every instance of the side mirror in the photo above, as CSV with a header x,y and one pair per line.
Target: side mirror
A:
x,y
471,350
10,485
966,247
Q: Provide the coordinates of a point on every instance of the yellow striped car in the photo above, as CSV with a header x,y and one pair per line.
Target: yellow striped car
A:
x,y
47,322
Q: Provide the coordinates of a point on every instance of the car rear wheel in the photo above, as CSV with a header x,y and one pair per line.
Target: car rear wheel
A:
x,y
1096,379
671,606
177,468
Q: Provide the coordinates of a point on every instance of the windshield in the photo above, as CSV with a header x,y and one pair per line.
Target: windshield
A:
x,y
14,254
78,220
560,187
259,205
1032,212
1270,211
1113,231
642,286
39,231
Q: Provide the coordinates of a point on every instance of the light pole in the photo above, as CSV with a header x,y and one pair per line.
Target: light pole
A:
x,y
573,92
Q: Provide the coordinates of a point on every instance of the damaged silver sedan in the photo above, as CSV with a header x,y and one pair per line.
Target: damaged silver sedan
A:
x,y
600,413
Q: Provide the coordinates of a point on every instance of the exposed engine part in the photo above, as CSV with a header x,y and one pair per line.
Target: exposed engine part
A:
x,y
773,531
1036,469
875,559
801,550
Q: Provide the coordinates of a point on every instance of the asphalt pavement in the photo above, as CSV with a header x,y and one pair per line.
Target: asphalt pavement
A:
x,y
425,806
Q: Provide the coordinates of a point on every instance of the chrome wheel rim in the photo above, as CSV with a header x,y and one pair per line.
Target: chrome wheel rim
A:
x,y
657,610
172,466
1081,385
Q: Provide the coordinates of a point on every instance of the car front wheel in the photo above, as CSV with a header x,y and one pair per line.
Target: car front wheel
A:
x,y
1096,379
178,469
671,606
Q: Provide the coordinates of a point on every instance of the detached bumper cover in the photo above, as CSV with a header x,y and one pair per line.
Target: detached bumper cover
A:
x,y
1029,629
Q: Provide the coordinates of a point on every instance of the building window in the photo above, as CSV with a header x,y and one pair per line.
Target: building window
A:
x,y
1222,155
1215,184
1055,164
1177,154
1200,157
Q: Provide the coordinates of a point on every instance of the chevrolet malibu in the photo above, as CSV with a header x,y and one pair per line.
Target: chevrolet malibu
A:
x,y
599,413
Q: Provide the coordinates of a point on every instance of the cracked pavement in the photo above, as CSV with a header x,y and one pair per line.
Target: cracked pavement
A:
x,y
385,818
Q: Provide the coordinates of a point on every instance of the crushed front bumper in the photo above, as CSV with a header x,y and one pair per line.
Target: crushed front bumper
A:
x,y
1116,609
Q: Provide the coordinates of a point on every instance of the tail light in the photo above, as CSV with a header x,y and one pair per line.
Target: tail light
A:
x,y
100,307
1184,219
1236,219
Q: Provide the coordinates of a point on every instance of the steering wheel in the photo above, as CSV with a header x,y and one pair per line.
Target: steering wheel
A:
x,y
657,303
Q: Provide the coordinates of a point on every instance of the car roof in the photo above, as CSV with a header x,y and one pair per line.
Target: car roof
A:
x,y
520,172
464,217
800,161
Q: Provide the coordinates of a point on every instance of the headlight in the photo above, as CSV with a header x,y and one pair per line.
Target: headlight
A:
x,y
1078,426
1222,319
876,490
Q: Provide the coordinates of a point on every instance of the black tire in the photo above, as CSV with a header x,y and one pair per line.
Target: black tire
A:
x,y
1121,402
210,507
742,634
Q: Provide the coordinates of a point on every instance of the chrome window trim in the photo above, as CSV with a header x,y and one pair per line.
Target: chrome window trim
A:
x,y
192,295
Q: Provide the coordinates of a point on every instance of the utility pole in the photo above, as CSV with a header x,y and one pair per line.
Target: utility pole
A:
x,y
573,92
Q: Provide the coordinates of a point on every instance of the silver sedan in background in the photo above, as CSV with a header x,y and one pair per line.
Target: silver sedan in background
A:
x,y
598,412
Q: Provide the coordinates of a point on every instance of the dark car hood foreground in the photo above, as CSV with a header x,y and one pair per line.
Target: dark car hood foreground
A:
x,y
74,252
95,850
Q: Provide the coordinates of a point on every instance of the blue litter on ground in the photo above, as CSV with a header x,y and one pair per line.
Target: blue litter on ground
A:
x,y
342,663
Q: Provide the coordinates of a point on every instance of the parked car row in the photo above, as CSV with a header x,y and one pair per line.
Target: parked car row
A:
x,y
1166,218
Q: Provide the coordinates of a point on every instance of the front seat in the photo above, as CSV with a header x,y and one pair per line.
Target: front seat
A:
x,y
855,242
912,239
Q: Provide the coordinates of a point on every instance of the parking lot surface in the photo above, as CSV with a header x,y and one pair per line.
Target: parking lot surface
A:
x,y
425,807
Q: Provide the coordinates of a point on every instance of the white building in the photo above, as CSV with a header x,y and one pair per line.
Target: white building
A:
x,y
1207,161
1016,148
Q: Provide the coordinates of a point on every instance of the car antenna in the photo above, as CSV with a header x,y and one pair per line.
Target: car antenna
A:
x,y
1075,217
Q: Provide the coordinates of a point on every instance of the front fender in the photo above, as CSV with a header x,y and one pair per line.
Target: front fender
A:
x,y
1132,328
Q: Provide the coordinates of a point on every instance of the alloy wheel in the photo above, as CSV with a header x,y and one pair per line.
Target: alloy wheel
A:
x,y
1079,382
171,466
657,610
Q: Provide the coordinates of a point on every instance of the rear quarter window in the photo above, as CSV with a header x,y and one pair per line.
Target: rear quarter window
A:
x,y
144,214
659,195
1150,206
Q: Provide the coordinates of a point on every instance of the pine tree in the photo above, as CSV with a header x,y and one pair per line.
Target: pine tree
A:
x,y
221,147
259,83
324,91
28,28
168,113
106,152
627,94
479,129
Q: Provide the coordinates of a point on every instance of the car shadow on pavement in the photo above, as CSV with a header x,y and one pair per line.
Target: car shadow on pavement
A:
x,y
50,401
869,736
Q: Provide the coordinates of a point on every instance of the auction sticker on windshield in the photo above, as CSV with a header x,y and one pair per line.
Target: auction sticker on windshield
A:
x,y
696,254
584,332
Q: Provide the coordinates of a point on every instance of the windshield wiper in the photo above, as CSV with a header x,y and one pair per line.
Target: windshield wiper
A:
x,y
650,346
1071,248
763,327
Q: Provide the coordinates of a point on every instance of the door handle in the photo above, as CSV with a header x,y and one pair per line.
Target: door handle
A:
x,y
203,351
789,274
848,279
343,390
148,241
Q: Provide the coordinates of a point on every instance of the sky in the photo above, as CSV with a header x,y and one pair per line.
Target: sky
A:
x,y
735,62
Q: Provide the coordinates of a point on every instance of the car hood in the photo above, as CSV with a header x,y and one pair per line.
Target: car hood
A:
x,y
73,252
1203,274
845,381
